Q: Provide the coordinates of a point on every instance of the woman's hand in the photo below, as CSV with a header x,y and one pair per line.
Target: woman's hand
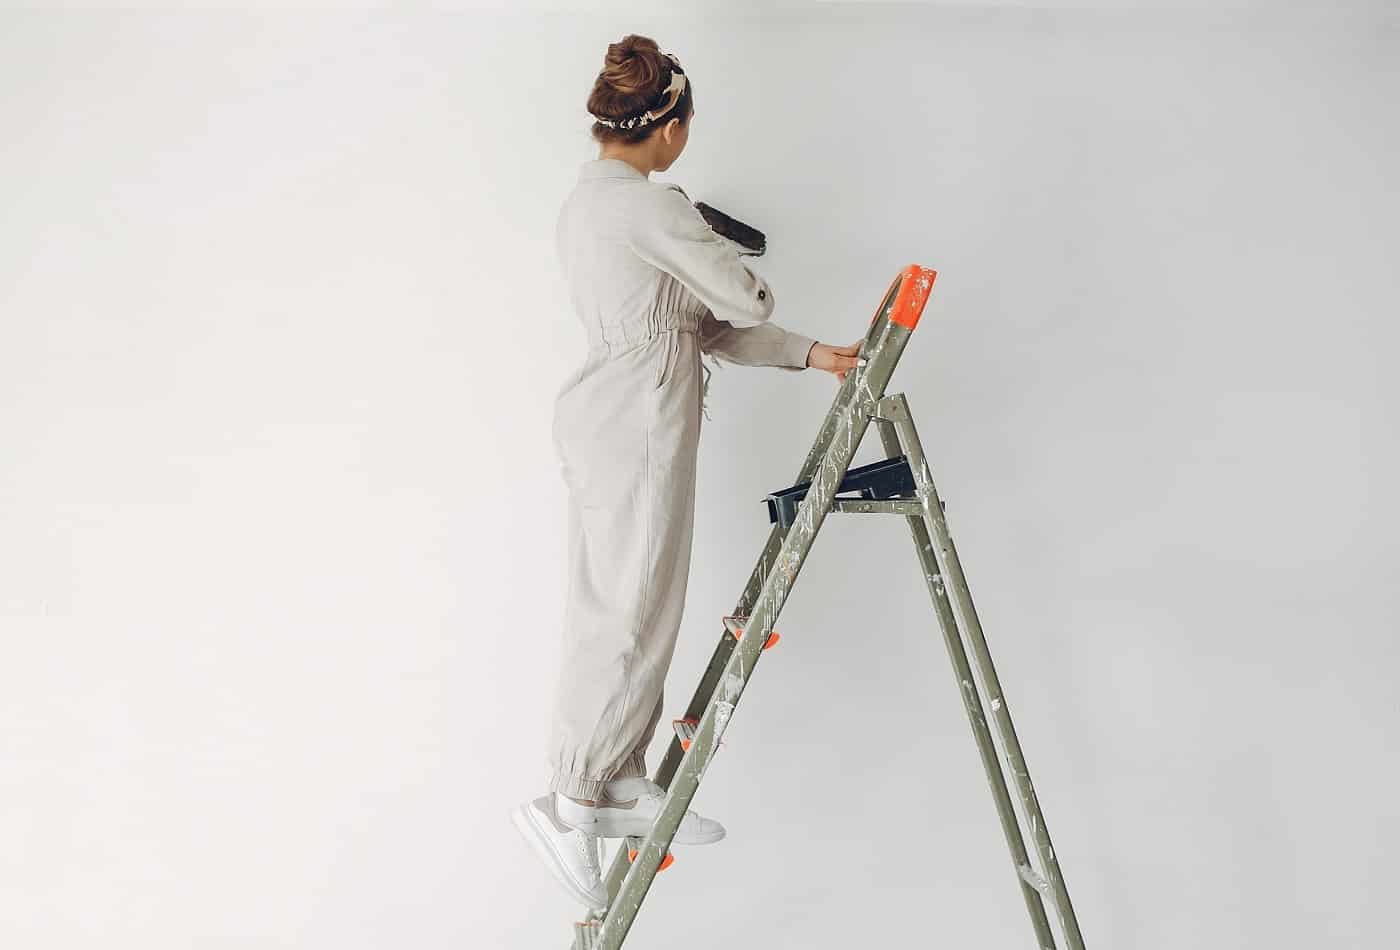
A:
x,y
834,359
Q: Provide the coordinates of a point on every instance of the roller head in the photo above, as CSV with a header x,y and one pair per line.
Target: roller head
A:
x,y
750,238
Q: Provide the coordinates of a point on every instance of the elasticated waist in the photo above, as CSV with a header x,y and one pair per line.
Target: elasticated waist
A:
x,y
640,329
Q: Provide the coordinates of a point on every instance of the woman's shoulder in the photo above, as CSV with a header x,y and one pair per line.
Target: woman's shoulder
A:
x,y
665,199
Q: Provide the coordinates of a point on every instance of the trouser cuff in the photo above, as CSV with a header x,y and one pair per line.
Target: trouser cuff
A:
x,y
575,787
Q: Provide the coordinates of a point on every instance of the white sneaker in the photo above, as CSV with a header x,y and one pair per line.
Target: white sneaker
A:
x,y
629,806
570,853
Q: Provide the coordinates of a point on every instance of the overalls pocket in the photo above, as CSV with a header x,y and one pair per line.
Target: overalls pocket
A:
x,y
669,349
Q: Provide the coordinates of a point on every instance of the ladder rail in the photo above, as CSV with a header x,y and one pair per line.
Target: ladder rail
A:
x,y
851,413
719,659
972,702
896,409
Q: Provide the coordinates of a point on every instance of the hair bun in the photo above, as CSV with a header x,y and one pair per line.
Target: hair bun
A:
x,y
630,97
633,64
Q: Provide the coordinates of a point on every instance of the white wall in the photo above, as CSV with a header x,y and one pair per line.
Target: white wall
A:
x,y
281,543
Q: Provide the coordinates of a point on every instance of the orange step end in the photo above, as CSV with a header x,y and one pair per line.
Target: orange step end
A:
x,y
676,723
773,637
665,862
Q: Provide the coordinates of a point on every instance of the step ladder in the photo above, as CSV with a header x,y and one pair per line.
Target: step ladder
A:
x,y
901,484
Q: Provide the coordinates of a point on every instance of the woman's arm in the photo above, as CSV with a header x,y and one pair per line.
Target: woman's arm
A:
x,y
764,345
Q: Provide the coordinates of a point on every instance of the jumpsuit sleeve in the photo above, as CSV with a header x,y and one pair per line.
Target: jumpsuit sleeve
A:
x,y
764,345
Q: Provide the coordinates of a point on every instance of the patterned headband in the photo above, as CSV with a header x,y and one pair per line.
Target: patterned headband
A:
x,y
672,93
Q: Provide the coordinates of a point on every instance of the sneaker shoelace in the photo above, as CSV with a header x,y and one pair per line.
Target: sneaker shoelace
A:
x,y
586,846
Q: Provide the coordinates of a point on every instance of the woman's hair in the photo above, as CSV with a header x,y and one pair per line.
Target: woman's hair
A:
x,y
635,73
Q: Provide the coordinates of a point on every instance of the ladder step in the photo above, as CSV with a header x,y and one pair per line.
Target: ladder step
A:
x,y
685,730
886,478
666,862
735,626
586,934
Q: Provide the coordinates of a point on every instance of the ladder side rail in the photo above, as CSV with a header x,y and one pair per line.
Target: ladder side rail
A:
x,y
896,409
719,659
972,703
867,386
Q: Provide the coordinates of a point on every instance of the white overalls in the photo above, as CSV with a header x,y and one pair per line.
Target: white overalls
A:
x,y
655,288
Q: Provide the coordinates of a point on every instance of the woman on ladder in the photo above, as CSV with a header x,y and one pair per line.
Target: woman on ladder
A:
x,y
655,288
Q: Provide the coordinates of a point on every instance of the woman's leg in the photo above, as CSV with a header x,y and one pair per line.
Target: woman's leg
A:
x,y
627,435
636,762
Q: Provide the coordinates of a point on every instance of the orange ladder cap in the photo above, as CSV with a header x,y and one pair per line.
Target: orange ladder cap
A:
x,y
916,282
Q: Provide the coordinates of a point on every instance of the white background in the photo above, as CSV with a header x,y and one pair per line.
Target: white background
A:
x,y
281,530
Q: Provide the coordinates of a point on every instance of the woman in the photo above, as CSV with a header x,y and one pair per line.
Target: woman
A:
x,y
655,288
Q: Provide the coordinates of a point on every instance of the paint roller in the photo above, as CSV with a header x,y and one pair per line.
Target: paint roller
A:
x,y
750,240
